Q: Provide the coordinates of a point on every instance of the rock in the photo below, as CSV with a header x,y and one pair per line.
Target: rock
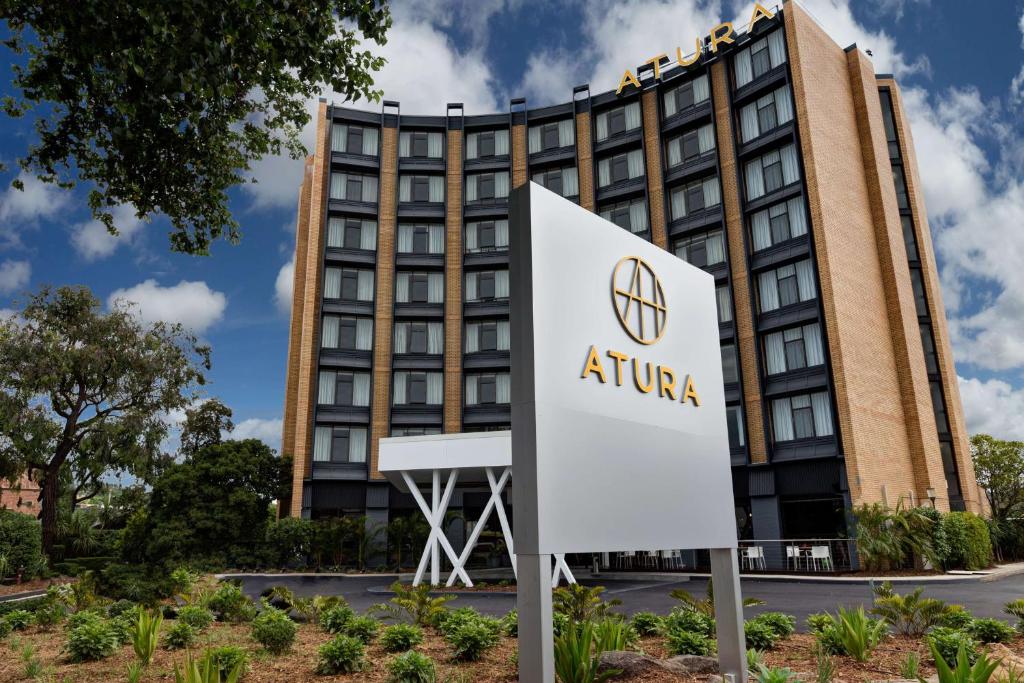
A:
x,y
1009,660
691,664
630,663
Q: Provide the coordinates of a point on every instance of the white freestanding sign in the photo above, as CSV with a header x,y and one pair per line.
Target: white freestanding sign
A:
x,y
619,437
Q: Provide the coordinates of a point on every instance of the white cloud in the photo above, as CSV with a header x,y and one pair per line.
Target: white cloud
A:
x,y
993,407
92,241
14,275
267,431
193,304
283,287
22,209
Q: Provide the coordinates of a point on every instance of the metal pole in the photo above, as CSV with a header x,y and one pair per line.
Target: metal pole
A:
x,y
533,602
732,654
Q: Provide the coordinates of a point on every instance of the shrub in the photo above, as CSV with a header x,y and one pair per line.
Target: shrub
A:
x,y
123,627
510,623
417,602
179,636
759,635
401,637
1015,608
229,603
19,619
195,616
454,619
647,623
685,619
79,618
119,607
887,538
50,614
559,623
783,625
133,582
205,670
91,640
289,541
146,635
21,543
411,667
182,579
857,633
5,629
689,643
472,639
274,631
582,603
818,622
341,655
774,674
333,620
946,643
227,658
909,614
963,670
991,631
362,627
578,655
940,544
970,546
956,617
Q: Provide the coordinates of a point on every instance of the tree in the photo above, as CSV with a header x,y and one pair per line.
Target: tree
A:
x,y
204,425
83,390
999,468
163,106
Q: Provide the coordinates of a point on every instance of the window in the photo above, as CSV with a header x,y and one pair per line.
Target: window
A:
x,y
414,431
949,469
723,299
734,421
702,250
420,238
488,285
620,168
695,196
931,359
786,285
488,389
348,284
908,238
778,223
419,288
902,199
806,416
487,144
421,188
793,349
939,405
486,188
631,215
730,367
353,187
346,333
917,284
421,144
354,139
350,389
482,236
351,233
487,335
563,181
889,121
760,58
686,95
766,114
547,136
690,145
339,444
419,337
772,171
418,388
618,120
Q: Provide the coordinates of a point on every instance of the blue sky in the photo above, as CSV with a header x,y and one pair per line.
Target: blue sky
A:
x,y
964,95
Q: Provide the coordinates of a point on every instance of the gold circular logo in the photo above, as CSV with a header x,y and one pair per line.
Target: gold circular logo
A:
x,y
639,299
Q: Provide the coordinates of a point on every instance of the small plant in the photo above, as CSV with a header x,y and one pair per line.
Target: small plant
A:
x,y
964,670
333,620
182,580
120,607
783,625
195,616
948,642
454,619
179,636
694,621
364,628
909,614
824,665
582,603
472,639
956,617
1015,608
706,605
613,634
229,603
510,623
5,629
759,635
417,603
228,658
689,643
910,668
205,670
91,640
647,623
818,622
576,658
146,635
755,658
19,619
133,672
274,631
858,633
411,667
774,675
49,614
33,665
341,655
991,631
401,637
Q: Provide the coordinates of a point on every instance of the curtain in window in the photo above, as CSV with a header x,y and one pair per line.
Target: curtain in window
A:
x,y
322,444
501,143
775,353
360,389
504,337
602,125
339,137
755,179
700,88
715,246
471,280
472,397
435,288
638,216
471,236
364,334
335,231
401,337
501,184
783,105
405,144
565,134
338,186
435,338
705,139
405,188
370,142
724,304
405,232
501,284
332,283
471,182
436,188
329,332
472,337
503,388
822,414
805,280
790,168
635,163
471,140
369,189
356,444
769,291
368,235
782,419
435,388
604,175
776,48
435,238
797,218
398,393
434,142
678,203
712,192
675,151
632,115
325,396
761,230
748,122
570,182
364,285
501,233
534,143
812,344
670,103
744,70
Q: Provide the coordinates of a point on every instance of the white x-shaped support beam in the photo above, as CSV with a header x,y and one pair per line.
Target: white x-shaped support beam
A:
x,y
435,517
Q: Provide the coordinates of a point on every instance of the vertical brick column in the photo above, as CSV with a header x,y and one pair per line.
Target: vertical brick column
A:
x,y
383,322
585,158
655,180
519,174
453,286
743,305
309,320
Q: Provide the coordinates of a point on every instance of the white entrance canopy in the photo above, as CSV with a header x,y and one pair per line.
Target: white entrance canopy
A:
x,y
440,462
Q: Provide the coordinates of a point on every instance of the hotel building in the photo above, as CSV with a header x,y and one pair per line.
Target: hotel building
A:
x,y
781,163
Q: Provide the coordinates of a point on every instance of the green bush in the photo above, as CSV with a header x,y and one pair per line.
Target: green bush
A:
x,y
341,655
274,631
510,623
940,543
559,624
647,623
179,636
29,605
818,622
21,543
362,627
229,603
453,619
85,616
774,674
92,639
19,619
50,614
991,631
119,607
857,633
759,635
956,617
783,625
964,671
411,667
5,629
146,635
195,616
471,639
689,643
947,642
333,620
970,546
909,613
133,582
401,637
685,619
227,657
289,541
123,627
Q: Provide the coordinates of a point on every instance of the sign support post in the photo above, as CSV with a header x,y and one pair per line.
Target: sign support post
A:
x,y
725,575
533,603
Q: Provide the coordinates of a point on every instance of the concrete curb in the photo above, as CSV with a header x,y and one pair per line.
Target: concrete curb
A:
x,y
28,595
385,591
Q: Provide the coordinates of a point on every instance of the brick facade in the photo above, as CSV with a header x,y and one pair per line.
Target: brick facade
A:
x,y
453,287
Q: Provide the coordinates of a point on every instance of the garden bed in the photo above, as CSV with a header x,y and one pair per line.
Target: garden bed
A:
x,y
30,586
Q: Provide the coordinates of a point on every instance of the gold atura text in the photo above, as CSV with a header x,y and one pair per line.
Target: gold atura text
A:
x,y
648,378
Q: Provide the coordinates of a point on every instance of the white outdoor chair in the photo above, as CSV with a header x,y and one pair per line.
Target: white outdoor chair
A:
x,y
671,559
750,557
650,559
793,556
627,559
821,557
